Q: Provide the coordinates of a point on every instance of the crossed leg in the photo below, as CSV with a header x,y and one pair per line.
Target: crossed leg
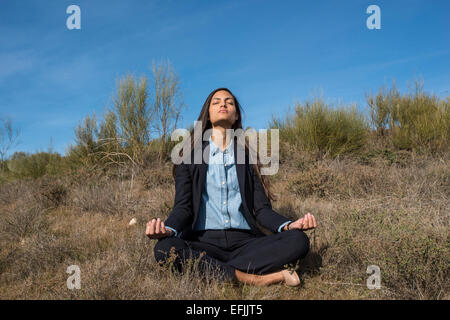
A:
x,y
258,261
210,257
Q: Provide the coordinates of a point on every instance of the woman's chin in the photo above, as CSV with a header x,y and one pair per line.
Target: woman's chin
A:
x,y
224,122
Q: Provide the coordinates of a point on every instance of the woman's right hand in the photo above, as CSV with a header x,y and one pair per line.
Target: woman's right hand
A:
x,y
156,229
306,223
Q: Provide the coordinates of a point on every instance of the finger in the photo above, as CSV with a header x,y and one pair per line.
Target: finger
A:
x,y
152,226
158,226
148,230
308,221
311,223
163,228
305,217
305,221
301,223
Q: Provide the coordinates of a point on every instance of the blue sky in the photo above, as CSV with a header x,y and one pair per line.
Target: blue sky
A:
x,y
269,53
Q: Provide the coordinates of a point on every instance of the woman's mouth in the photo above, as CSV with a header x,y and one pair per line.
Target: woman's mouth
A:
x,y
223,110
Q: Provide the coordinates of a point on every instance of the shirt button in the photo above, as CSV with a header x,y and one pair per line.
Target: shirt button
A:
x,y
223,182
224,202
225,164
226,221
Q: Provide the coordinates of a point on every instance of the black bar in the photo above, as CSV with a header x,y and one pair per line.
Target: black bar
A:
x,y
218,309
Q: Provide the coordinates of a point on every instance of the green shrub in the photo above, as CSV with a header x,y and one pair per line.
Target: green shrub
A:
x,y
35,165
414,121
319,128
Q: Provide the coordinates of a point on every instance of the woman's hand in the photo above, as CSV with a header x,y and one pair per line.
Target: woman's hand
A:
x,y
305,223
156,229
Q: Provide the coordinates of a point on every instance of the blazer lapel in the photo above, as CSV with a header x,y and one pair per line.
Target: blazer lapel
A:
x,y
240,171
202,169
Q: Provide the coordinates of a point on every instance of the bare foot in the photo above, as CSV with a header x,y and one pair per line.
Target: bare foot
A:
x,y
260,280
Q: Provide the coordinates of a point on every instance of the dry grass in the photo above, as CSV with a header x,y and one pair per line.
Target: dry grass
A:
x,y
393,214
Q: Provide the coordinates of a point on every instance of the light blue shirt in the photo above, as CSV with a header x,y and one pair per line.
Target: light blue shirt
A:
x,y
221,197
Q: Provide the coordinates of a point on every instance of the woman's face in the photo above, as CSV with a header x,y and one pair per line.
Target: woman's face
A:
x,y
222,110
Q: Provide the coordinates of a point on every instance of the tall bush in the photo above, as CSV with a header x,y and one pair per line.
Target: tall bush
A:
x,y
318,127
415,121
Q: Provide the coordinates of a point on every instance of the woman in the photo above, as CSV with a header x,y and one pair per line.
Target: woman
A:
x,y
217,205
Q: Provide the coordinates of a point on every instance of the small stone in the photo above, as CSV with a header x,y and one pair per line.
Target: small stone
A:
x,y
132,222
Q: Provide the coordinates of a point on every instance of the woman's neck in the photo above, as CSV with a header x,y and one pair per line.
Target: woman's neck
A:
x,y
220,137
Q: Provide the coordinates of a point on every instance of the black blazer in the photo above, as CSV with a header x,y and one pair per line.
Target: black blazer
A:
x,y
189,184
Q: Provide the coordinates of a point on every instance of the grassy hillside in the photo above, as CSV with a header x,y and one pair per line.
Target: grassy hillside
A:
x,y
389,210
378,186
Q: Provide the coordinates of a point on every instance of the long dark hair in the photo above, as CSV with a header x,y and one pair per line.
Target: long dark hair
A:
x,y
206,124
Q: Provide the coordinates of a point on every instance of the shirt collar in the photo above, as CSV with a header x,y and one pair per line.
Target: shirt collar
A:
x,y
214,149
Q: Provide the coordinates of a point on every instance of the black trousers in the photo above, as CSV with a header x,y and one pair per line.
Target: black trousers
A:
x,y
230,249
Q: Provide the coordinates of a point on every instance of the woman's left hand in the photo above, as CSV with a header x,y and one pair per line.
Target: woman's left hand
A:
x,y
305,223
